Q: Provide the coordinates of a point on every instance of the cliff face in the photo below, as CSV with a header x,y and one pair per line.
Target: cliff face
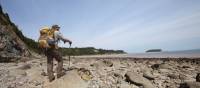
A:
x,y
11,46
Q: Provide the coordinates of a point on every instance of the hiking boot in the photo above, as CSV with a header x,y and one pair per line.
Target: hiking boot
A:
x,y
51,79
60,75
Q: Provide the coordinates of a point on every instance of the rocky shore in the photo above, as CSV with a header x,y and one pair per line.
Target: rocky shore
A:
x,y
20,67
104,72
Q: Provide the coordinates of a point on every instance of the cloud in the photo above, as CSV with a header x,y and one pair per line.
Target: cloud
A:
x,y
132,34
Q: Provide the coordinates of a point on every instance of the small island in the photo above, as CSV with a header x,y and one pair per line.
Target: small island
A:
x,y
154,50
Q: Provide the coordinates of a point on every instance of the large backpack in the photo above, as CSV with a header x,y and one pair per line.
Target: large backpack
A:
x,y
46,38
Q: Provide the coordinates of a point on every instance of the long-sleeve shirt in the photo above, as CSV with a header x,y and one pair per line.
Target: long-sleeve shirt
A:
x,y
58,36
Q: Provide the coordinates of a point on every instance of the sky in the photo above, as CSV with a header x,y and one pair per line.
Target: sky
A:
x,y
129,25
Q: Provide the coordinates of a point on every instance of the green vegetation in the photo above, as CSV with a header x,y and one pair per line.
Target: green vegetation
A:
x,y
154,50
32,45
88,51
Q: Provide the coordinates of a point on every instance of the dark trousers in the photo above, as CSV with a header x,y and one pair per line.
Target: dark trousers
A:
x,y
51,54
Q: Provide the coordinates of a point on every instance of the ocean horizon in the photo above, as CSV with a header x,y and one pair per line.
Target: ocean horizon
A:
x,y
168,54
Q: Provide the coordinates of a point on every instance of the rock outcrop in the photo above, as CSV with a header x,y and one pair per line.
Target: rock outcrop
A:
x,y
11,46
71,80
139,80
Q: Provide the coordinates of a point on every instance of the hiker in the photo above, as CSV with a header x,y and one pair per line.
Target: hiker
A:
x,y
53,52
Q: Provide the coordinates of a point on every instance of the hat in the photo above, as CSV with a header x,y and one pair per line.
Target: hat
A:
x,y
55,26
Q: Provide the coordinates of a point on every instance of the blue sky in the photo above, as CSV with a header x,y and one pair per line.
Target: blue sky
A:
x,y
130,25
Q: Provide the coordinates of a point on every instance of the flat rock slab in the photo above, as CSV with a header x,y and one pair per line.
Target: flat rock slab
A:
x,y
137,79
148,75
70,80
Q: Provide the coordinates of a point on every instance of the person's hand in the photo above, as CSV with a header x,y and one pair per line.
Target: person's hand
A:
x,y
70,42
65,41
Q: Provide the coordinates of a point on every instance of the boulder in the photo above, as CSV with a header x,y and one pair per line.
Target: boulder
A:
x,y
70,80
85,74
43,73
161,66
25,67
139,80
108,63
155,66
148,75
165,66
173,76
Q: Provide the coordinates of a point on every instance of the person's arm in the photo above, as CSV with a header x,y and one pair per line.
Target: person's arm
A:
x,y
60,36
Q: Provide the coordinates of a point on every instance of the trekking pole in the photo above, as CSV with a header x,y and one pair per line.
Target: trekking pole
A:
x,y
69,55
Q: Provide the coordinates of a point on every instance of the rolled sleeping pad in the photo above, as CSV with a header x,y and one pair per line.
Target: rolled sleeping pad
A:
x,y
51,41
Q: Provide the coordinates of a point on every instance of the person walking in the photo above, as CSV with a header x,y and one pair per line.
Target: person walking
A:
x,y
54,53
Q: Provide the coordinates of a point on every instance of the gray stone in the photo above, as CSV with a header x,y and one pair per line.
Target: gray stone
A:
x,y
161,66
164,66
148,75
71,80
85,74
139,80
155,66
44,73
25,67
173,76
108,63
